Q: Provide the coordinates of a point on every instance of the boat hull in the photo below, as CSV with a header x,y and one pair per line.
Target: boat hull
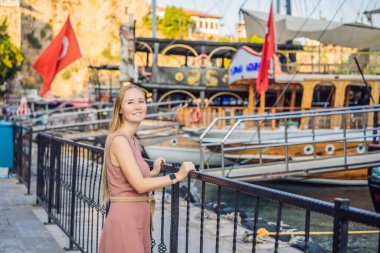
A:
x,y
181,148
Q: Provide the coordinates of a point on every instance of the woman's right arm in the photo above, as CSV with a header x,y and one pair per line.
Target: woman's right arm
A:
x,y
122,156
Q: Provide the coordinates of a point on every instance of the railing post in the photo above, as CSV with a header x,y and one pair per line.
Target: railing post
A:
x,y
174,215
222,153
259,137
313,137
201,155
340,237
58,178
73,193
286,146
51,179
40,150
19,152
30,133
344,139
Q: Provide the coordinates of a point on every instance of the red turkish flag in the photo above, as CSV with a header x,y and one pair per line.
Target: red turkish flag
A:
x,y
61,52
269,49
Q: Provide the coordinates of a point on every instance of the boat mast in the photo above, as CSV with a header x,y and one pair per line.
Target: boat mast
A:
x,y
369,14
288,7
154,19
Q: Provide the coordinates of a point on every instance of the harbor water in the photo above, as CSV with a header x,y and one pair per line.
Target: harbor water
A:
x,y
295,217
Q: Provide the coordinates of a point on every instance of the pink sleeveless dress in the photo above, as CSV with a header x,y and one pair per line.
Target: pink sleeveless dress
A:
x,y
127,226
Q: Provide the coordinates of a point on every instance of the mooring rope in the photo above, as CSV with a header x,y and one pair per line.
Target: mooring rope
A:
x,y
264,232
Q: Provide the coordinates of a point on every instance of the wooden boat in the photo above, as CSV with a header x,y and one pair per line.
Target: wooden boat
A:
x,y
289,93
210,96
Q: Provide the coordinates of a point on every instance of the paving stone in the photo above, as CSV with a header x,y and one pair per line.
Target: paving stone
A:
x,y
20,229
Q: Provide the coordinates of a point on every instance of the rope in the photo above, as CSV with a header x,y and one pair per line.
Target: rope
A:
x,y
264,232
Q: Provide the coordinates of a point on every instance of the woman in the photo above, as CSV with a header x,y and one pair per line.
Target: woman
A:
x,y
127,179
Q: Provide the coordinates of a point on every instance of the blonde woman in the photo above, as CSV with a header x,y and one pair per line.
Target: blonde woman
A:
x,y
127,179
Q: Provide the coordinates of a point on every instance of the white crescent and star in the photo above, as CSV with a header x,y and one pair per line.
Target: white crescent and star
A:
x,y
65,43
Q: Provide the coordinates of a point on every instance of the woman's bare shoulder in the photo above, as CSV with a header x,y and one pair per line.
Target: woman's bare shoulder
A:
x,y
120,141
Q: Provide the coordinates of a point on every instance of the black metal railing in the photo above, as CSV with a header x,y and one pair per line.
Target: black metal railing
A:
x,y
69,188
23,154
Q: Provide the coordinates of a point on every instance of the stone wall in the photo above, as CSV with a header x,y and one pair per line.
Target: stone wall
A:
x,y
33,23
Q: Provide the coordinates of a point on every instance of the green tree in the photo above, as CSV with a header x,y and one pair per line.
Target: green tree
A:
x,y
147,20
256,39
11,57
176,23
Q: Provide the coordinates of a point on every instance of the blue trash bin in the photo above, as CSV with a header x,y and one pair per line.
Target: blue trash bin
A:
x,y
6,144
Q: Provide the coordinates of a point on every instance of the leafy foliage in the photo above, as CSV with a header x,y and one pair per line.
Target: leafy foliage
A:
x,y
11,57
176,23
147,20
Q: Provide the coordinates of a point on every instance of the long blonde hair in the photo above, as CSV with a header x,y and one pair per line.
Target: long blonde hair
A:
x,y
117,119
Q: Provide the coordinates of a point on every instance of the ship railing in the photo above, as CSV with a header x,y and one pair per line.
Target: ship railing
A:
x,y
329,61
203,214
96,118
227,116
33,117
262,138
54,117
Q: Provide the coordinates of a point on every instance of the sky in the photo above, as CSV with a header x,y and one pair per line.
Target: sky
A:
x,y
350,11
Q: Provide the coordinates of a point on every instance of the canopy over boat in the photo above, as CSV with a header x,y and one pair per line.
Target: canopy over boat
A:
x,y
289,27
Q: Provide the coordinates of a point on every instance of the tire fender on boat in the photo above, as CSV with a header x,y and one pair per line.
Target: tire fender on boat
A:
x,y
360,149
330,149
308,150
195,115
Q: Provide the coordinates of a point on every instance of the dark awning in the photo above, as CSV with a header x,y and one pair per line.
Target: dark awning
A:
x,y
202,47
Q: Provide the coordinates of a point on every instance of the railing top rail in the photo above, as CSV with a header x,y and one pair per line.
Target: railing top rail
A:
x,y
308,114
293,115
67,112
316,205
63,109
39,128
71,142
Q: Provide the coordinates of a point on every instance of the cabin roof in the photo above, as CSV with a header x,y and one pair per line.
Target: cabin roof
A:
x,y
203,47
323,77
299,78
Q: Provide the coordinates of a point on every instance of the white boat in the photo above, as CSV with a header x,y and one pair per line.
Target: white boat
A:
x,y
180,148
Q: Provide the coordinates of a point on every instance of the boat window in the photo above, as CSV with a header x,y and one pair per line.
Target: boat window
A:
x,y
291,98
178,97
226,101
323,96
357,94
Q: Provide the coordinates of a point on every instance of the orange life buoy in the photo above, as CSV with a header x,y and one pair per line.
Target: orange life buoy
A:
x,y
195,115
203,60
178,115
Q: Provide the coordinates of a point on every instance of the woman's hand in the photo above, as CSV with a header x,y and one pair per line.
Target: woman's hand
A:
x,y
157,166
184,170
